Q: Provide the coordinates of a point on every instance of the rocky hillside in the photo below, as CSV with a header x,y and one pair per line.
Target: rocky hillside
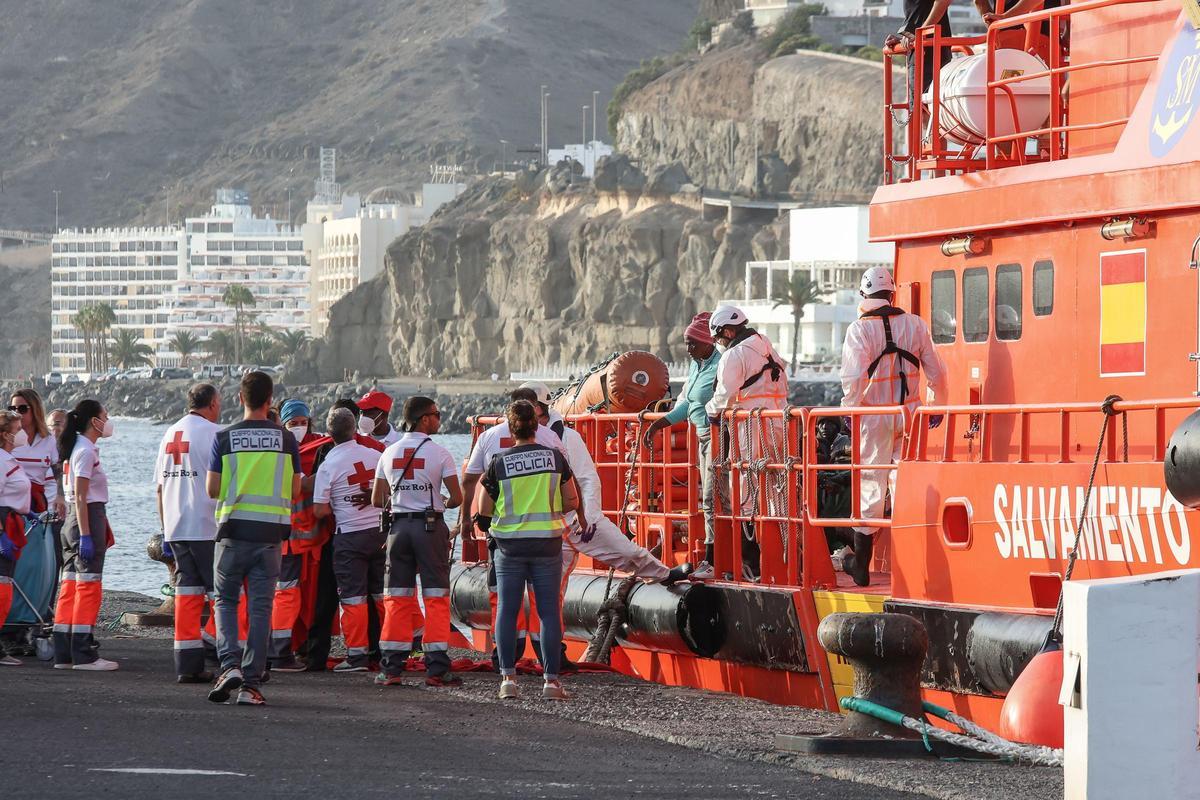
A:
x,y
138,108
813,120
514,276
25,323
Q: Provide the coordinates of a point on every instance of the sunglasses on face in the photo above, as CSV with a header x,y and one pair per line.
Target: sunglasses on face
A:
x,y
20,409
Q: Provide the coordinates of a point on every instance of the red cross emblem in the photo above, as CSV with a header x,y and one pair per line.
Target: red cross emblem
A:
x,y
177,447
413,463
506,442
361,476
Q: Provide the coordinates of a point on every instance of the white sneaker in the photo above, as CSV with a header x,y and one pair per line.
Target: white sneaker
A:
x,y
703,572
509,690
9,661
553,690
99,665
839,557
67,665
346,666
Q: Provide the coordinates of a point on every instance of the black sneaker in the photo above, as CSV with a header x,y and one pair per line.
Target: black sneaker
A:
x,y
251,697
199,677
677,574
291,664
229,682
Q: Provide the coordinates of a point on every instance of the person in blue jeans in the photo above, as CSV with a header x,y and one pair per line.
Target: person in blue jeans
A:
x,y
253,475
528,489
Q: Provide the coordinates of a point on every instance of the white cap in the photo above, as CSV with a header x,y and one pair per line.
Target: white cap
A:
x,y
540,389
876,279
725,315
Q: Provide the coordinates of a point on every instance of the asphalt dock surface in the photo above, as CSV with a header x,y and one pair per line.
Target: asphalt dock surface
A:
x,y
89,735
136,734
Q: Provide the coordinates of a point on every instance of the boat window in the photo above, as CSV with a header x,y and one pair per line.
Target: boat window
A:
x,y
975,304
942,319
1043,288
1008,302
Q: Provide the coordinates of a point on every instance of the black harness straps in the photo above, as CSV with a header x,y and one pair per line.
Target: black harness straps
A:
x,y
885,313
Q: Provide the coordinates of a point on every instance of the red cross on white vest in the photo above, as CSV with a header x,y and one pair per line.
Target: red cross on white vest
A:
x,y
177,447
413,463
361,476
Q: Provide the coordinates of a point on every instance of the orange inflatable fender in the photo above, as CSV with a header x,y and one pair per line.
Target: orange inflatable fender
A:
x,y
631,382
1031,712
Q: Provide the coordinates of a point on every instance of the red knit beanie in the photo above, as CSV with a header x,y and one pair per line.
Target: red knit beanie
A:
x,y
698,331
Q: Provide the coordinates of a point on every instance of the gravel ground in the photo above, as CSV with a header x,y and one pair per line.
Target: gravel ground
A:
x,y
717,723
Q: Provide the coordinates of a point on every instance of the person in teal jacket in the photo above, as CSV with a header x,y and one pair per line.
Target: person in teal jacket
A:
x,y
696,392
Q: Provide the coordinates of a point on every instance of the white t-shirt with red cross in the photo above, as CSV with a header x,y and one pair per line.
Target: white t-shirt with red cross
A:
x,y
37,458
85,463
14,484
420,485
347,472
499,437
181,470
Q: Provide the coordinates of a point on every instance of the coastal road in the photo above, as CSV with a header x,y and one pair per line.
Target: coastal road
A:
x,y
89,735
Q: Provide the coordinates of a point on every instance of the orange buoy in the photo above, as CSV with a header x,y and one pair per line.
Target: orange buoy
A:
x,y
1031,712
631,382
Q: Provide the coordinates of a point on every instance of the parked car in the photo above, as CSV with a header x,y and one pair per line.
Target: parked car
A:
x,y
170,373
72,377
210,372
53,378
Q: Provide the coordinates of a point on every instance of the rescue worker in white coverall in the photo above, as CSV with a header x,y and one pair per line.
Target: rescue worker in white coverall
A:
x,y
882,358
750,375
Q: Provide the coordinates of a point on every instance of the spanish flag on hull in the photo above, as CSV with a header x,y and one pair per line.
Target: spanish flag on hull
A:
x,y
1123,313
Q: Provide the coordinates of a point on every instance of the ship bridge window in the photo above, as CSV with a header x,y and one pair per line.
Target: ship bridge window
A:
x,y
941,305
1008,302
1043,288
975,304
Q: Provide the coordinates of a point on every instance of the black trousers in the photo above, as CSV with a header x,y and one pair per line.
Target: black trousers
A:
x,y
320,634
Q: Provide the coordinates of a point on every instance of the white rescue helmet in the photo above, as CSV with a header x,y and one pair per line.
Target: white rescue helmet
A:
x,y
876,279
725,315
540,389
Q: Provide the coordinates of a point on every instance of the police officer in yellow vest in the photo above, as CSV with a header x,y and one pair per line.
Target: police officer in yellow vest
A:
x,y
528,489
254,474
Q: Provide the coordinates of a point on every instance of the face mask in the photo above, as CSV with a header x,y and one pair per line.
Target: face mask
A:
x,y
108,429
366,425
20,438
298,431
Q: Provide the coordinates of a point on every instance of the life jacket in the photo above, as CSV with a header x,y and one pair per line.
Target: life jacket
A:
x,y
308,532
890,348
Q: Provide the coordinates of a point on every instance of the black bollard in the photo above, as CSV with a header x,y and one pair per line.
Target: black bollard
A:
x,y
886,652
164,615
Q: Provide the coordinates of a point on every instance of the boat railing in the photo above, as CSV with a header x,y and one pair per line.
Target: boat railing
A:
x,y
1060,433
927,152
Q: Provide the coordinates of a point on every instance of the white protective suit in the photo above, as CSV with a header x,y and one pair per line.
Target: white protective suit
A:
x,y
741,361
606,544
882,437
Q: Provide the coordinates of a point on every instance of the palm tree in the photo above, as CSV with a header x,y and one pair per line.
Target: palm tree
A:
x,y
85,322
798,291
127,350
239,298
185,343
220,346
105,319
291,341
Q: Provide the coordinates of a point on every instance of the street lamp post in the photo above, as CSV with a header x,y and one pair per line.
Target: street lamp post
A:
x,y
543,126
583,137
595,105
55,209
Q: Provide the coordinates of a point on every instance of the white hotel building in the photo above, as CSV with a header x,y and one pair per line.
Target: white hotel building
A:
x,y
132,269
162,280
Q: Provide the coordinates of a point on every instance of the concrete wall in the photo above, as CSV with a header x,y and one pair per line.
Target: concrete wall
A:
x,y
855,31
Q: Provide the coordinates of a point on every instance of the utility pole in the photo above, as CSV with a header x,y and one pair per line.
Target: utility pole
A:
x,y
545,107
55,209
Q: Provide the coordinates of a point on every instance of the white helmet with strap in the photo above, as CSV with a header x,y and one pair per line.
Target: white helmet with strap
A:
x,y
540,389
876,279
725,315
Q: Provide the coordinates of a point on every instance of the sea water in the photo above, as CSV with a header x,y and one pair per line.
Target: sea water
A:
x,y
128,458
